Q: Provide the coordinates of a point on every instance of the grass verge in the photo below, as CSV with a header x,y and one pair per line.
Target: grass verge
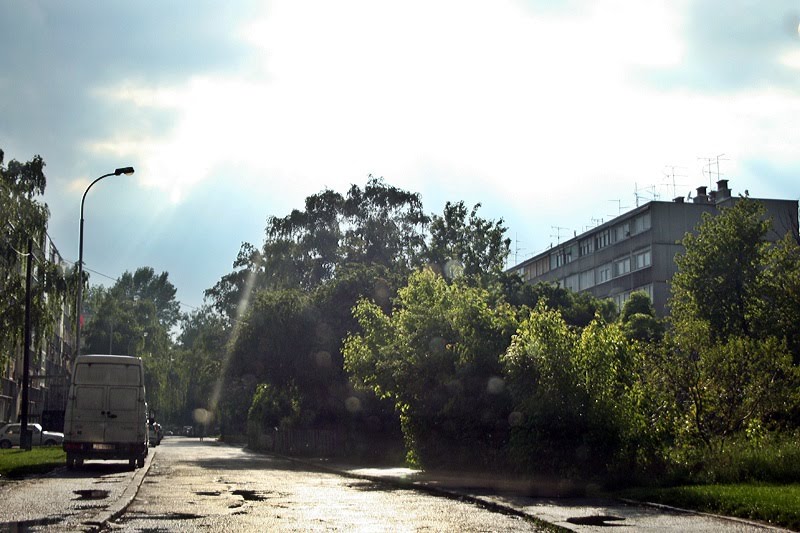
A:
x,y
777,504
17,463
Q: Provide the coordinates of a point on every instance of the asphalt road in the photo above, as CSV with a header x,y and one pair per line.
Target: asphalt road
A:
x,y
68,500
206,486
188,485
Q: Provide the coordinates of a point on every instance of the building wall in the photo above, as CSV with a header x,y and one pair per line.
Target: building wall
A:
x,y
49,366
636,250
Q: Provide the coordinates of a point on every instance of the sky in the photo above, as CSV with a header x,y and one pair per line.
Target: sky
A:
x,y
552,114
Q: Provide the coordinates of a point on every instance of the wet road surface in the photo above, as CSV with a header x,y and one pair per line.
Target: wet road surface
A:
x,y
207,486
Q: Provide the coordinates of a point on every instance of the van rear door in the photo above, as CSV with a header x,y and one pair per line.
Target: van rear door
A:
x,y
89,413
124,415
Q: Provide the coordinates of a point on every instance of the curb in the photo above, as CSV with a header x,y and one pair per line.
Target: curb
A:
x,y
743,521
118,507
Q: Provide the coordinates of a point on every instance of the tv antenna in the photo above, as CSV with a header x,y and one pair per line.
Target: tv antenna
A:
x,y
517,249
557,236
670,174
651,190
620,207
711,168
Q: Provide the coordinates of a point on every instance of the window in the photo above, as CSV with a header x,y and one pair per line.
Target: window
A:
x,y
641,259
572,283
586,247
602,239
622,266
586,279
560,257
622,231
641,223
603,273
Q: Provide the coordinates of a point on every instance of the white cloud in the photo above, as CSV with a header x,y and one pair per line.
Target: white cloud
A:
x,y
473,92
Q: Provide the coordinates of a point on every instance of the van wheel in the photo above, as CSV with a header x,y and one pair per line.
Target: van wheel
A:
x,y
72,461
5,444
132,464
140,462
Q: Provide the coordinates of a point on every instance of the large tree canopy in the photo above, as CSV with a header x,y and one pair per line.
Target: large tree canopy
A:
x,y
732,278
23,217
467,242
379,225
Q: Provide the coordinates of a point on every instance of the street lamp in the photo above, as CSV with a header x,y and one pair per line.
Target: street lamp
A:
x,y
124,170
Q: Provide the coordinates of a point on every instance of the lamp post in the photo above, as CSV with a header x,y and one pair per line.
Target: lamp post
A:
x,y
123,170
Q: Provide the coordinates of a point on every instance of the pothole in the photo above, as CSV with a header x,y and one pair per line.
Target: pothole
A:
x,y
208,492
29,525
595,520
250,495
92,494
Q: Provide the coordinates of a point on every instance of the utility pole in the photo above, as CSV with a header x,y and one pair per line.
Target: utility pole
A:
x,y
25,434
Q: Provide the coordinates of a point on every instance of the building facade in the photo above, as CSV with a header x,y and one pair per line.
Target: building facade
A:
x,y
49,363
636,250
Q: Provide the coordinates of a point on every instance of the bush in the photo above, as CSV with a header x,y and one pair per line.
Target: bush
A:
x,y
772,458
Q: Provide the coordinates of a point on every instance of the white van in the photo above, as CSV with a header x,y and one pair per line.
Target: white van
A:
x,y
106,415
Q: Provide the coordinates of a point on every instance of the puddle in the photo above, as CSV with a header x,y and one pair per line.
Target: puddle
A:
x,y
92,494
595,520
26,525
249,495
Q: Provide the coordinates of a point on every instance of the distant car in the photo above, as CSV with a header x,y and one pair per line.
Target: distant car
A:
x,y
9,436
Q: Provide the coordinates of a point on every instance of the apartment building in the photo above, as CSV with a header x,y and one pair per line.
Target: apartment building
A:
x,y
636,250
49,363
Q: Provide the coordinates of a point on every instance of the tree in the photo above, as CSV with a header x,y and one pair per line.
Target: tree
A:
x,y
638,319
436,357
383,225
134,317
717,278
379,225
777,309
144,284
575,396
24,217
461,243
735,280
720,386
201,361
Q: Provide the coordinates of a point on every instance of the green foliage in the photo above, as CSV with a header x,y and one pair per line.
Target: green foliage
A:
x,y
778,505
466,244
575,395
24,216
577,309
638,319
196,375
436,357
276,338
718,275
134,317
776,311
17,462
273,407
721,387
379,225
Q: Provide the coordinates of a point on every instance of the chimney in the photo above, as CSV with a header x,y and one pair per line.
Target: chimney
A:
x,y
702,197
678,199
723,192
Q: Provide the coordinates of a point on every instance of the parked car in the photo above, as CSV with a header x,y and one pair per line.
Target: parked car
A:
x,y
9,436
